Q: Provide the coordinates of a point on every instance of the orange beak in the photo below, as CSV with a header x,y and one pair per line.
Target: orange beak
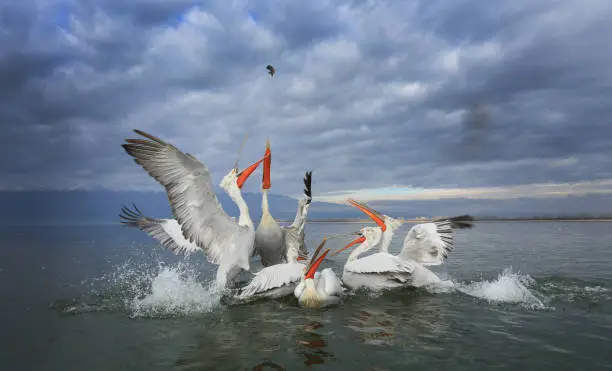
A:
x,y
313,268
299,258
374,215
354,242
266,170
246,173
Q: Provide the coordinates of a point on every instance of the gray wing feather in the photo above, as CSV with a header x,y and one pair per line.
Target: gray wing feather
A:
x,y
190,192
272,277
166,231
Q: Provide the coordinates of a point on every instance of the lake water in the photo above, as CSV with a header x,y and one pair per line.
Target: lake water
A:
x,y
526,296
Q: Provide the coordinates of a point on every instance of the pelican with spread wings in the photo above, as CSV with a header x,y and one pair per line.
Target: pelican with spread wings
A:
x,y
195,207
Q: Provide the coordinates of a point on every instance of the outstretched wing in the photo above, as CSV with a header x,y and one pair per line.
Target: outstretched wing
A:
x,y
190,192
295,232
429,243
272,277
167,231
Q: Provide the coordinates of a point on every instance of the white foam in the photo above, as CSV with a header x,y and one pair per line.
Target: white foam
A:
x,y
174,292
509,287
154,289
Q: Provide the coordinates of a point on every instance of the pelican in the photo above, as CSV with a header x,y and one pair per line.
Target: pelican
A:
x,y
318,291
272,240
202,220
425,243
277,280
378,271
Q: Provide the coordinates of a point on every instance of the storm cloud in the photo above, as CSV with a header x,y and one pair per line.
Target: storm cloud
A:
x,y
369,94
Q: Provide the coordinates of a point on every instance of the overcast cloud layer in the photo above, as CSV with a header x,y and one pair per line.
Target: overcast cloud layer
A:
x,y
368,94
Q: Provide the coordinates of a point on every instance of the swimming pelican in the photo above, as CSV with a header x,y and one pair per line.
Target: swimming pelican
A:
x,y
272,240
378,271
277,280
425,243
318,291
195,206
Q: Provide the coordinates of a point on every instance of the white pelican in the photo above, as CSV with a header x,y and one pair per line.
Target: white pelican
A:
x,y
318,291
425,244
378,271
195,206
277,280
272,240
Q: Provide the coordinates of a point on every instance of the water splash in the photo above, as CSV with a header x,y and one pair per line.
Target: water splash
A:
x,y
174,292
509,287
150,289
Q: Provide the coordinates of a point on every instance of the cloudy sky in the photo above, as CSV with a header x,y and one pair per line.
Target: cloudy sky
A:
x,y
382,99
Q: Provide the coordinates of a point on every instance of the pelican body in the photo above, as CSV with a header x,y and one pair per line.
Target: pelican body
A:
x,y
379,271
272,240
318,291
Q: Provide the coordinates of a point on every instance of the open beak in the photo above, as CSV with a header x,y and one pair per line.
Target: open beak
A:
x,y
313,267
266,170
352,243
300,258
373,214
246,173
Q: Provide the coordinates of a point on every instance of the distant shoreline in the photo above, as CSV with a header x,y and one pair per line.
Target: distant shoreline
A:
x,y
323,221
475,220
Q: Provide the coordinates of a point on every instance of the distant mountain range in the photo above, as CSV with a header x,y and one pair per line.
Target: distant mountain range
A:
x,y
76,207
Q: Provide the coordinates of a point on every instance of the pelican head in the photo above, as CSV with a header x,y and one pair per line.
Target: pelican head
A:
x,y
369,235
385,222
235,179
306,291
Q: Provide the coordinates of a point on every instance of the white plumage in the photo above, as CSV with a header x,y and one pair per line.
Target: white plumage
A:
x,y
195,205
274,281
428,243
167,231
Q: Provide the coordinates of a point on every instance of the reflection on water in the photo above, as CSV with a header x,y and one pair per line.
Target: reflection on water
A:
x,y
312,344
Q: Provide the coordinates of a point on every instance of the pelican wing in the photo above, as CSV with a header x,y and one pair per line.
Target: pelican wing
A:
x,y
271,277
190,192
379,263
331,282
167,231
429,243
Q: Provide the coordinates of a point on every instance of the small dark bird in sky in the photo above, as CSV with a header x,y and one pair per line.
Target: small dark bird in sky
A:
x,y
271,70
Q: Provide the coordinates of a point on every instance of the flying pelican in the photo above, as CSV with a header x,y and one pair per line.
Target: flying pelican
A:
x,y
378,271
195,206
272,240
426,243
318,291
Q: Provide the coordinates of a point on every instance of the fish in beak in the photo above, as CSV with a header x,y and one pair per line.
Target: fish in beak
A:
x,y
266,169
356,241
246,173
373,214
